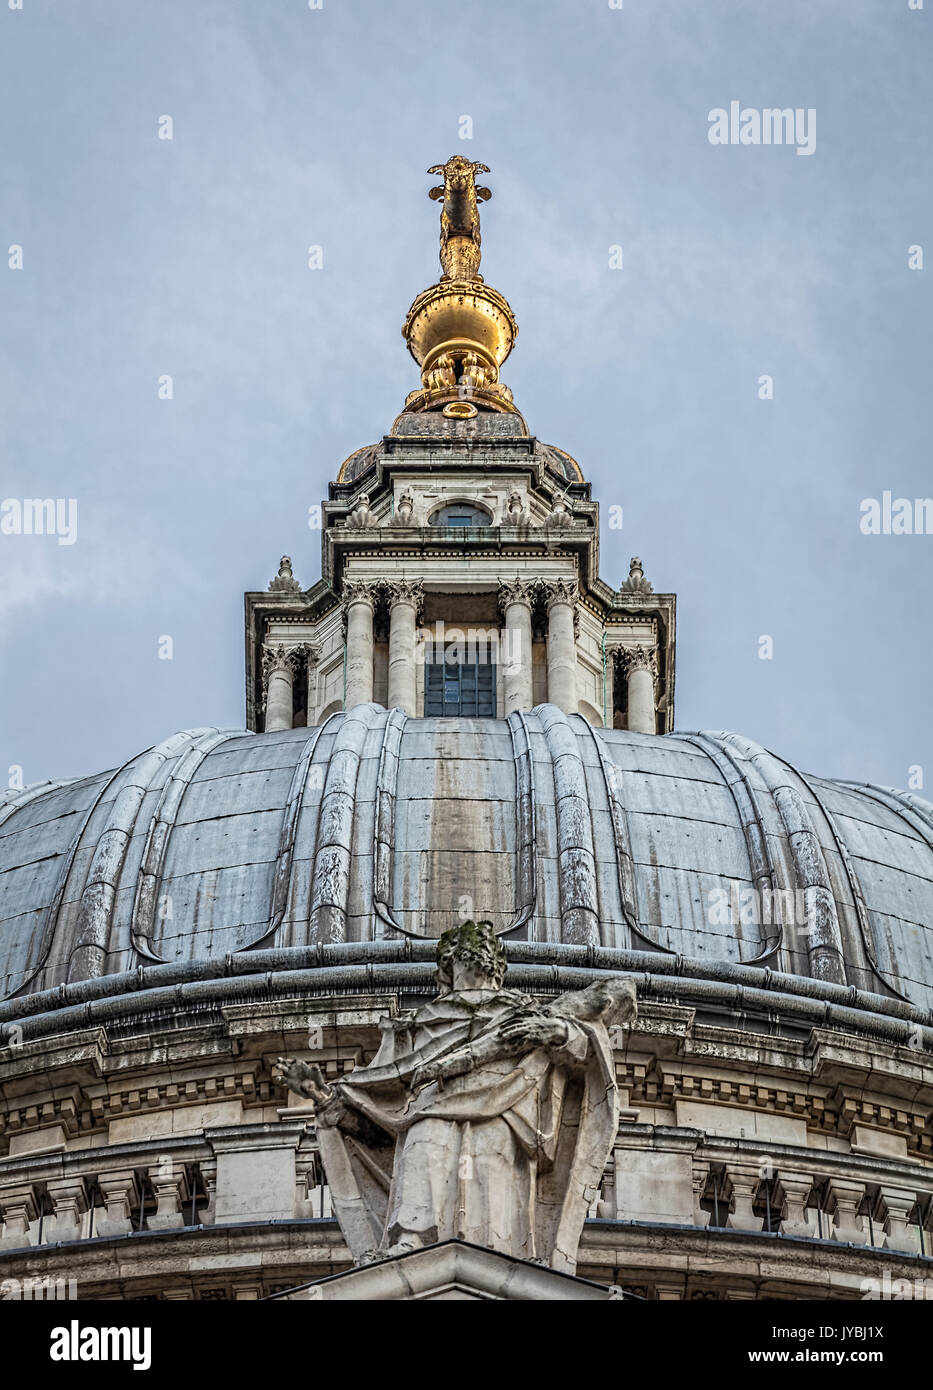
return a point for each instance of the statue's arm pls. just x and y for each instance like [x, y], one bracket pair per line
[333, 1107]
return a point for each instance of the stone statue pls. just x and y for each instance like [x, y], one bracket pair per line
[460, 237]
[485, 1116]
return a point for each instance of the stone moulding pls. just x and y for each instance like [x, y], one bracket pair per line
[408, 966]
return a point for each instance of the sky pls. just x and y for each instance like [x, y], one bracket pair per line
[144, 257]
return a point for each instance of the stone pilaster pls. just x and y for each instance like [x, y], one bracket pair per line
[561, 598]
[405, 599]
[359, 602]
[515, 599]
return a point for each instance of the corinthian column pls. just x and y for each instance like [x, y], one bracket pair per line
[561, 645]
[404, 603]
[516, 599]
[278, 678]
[359, 601]
[641, 667]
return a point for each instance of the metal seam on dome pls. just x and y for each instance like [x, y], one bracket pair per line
[623, 846]
[330, 882]
[576, 859]
[285, 854]
[855, 887]
[95, 912]
[756, 843]
[824, 937]
[157, 837]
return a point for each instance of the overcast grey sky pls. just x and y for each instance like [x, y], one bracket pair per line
[295, 126]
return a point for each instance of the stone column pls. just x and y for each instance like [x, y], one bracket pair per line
[359, 601]
[561, 645]
[516, 599]
[404, 604]
[641, 669]
[278, 675]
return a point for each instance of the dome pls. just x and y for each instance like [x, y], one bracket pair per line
[217, 842]
[484, 425]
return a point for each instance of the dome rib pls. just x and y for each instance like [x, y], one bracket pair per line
[756, 841]
[825, 950]
[157, 839]
[95, 913]
[576, 859]
[330, 890]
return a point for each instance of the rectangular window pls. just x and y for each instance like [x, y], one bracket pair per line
[460, 688]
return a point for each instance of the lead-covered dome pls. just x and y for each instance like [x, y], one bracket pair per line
[215, 842]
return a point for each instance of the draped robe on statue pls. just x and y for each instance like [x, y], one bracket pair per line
[508, 1156]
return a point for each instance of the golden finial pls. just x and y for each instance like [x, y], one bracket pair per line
[460, 331]
[460, 237]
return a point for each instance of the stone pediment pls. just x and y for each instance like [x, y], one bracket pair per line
[453, 1270]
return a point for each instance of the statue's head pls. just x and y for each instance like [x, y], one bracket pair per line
[473, 945]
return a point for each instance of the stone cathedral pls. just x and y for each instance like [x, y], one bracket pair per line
[458, 973]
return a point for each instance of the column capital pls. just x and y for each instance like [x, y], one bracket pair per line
[278, 657]
[559, 591]
[635, 658]
[410, 591]
[360, 591]
[517, 591]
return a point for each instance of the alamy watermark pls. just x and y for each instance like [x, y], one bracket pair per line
[888, 515]
[40, 516]
[746, 125]
[736, 904]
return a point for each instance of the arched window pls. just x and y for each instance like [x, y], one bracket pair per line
[461, 514]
